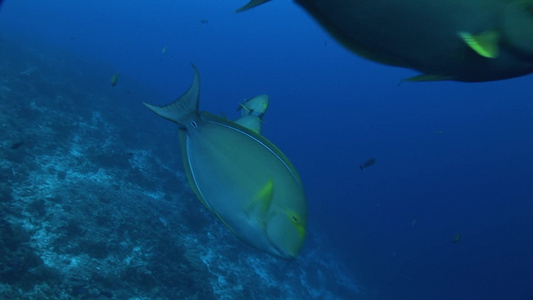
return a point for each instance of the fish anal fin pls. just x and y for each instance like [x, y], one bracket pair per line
[428, 77]
[485, 44]
[252, 4]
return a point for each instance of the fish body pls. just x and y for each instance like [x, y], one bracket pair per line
[367, 163]
[463, 40]
[240, 176]
[251, 122]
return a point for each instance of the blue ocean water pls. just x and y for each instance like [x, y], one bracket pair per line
[451, 158]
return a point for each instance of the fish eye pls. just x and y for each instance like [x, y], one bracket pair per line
[194, 124]
[295, 219]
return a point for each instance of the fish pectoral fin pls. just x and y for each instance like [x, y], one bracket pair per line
[252, 4]
[260, 204]
[485, 44]
[244, 107]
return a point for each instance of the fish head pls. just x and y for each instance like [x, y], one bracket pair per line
[518, 26]
[286, 231]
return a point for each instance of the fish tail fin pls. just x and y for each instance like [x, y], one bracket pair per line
[251, 4]
[361, 167]
[184, 106]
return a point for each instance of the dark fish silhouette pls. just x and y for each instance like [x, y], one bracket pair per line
[114, 79]
[457, 238]
[367, 164]
[463, 40]
[16, 145]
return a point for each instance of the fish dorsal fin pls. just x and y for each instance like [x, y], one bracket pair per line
[260, 204]
[485, 44]
[252, 4]
[181, 108]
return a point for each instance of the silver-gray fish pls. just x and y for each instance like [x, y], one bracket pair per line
[240, 176]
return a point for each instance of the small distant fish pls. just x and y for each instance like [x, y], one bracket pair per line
[252, 112]
[29, 71]
[413, 221]
[15, 146]
[114, 79]
[164, 50]
[457, 238]
[255, 106]
[204, 21]
[367, 164]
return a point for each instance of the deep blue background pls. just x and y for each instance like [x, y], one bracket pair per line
[455, 157]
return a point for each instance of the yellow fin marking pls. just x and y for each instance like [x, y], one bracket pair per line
[485, 43]
[262, 200]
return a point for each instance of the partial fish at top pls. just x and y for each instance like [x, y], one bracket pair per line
[240, 176]
[462, 40]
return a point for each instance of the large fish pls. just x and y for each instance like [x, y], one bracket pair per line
[463, 40]
[240, 176]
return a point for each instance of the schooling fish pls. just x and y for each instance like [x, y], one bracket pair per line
[367, 163]
[253, 111]
[240, 176]
[463, 40]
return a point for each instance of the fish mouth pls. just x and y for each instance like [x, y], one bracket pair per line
[281, 237]
[279, 252]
